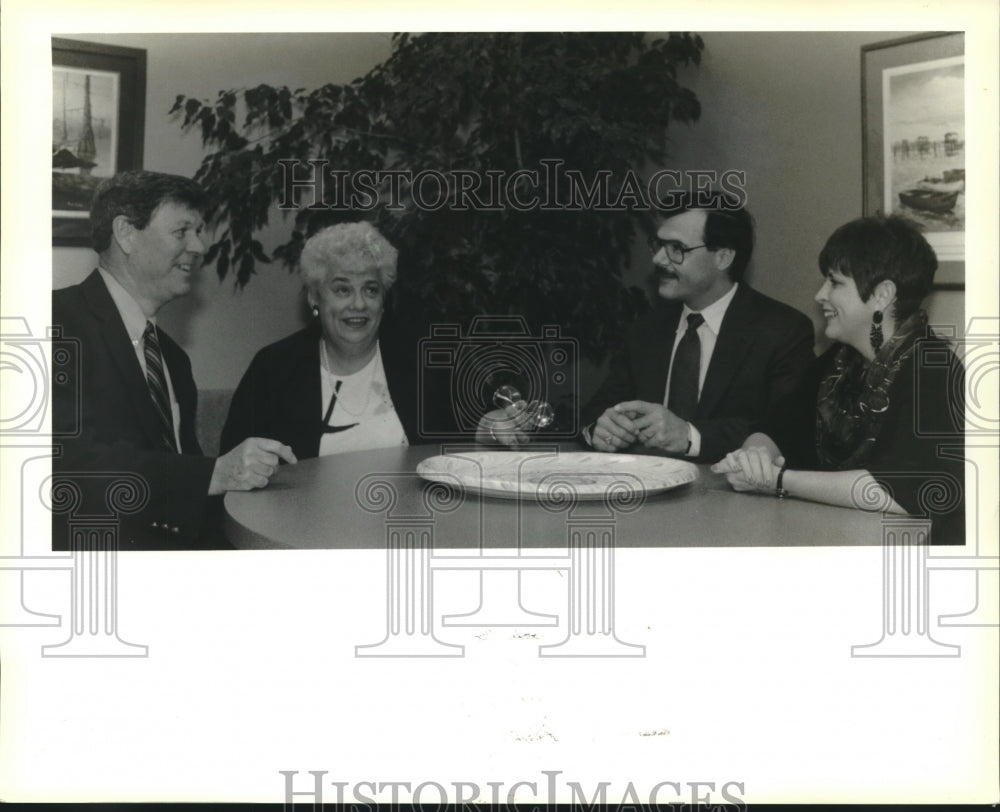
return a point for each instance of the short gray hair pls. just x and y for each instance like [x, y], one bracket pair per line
[347, 247]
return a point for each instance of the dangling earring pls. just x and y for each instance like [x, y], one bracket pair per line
[875, 334]
[315, 312]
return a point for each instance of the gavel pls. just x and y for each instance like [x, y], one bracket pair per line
[538, 413]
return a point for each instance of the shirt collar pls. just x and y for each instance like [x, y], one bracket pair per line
[132, 315]
[714, 313]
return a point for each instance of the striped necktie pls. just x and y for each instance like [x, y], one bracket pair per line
[157, 381]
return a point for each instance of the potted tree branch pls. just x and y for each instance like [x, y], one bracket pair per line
[502, 165]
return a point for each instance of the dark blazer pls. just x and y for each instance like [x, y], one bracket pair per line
[119, 431]
[910, 457]
[280, 393]
[763, 349]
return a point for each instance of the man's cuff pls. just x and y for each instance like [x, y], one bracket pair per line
[694, 437]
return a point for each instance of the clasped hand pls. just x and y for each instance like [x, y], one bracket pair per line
[751, 469]
[250, 465]
[510, 426]
[636, 421]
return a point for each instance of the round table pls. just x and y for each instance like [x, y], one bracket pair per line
[351, 501]
[375, 500]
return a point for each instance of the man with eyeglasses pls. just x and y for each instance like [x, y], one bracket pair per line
[713, 357]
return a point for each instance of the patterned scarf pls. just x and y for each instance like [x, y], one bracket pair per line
[854, 398]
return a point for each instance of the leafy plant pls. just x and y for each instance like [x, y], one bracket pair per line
[460, 107]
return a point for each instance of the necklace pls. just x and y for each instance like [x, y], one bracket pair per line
[367, 386]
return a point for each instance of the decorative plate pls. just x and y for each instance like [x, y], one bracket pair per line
[553, 476]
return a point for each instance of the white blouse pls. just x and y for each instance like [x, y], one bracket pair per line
[363, 414]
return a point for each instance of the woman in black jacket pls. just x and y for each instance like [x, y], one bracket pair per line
[878, 424]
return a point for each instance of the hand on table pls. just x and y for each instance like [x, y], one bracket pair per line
[250, 465]
[656, 426]
[751, 469]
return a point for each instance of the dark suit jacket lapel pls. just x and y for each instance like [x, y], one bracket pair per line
[735, 340]
[303, 393]
[122, 353]
[286, 394]
[653, 363]
[399, 361]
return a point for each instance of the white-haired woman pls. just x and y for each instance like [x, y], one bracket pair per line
[334, 386]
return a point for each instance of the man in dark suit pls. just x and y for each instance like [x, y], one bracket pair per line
[136, 396]
[713, 357]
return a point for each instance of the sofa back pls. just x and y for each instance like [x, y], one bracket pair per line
[213, 406]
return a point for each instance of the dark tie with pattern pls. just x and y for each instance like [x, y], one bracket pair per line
[683, 398]
[157, 381]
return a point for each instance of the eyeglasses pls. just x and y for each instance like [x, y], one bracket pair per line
[676, 252]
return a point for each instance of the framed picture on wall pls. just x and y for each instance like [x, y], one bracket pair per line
[913, 131]
[98, 117]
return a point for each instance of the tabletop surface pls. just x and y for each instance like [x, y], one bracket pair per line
[351, 501]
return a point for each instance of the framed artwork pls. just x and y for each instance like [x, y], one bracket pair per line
[913, 131]
[98, 117]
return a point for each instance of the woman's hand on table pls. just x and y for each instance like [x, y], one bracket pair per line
[754, 468]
